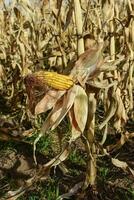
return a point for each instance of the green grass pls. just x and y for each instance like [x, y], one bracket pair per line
[103, 172]
[76, 158]
[44, 191]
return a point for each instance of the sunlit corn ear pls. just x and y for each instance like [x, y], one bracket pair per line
[54, 80]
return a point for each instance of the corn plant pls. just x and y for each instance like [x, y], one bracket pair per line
[80, 54]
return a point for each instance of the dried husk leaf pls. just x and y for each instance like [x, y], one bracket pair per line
[67, 104]
[60, 110]
[75, 130]
[48, 101]
[81, 108]
[88, 65]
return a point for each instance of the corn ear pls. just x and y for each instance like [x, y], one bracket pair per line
[54, 80]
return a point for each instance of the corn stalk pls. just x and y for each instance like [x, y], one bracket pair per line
[91, 147]
[79, 26]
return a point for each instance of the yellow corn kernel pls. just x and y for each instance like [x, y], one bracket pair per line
[54, 80]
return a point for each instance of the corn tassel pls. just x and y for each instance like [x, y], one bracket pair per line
[54, 80]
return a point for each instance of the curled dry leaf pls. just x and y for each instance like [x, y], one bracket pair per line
[123, 139]
[67, 104]
[53, 116]
[27, 133]
[59, 158]
[110, 112]
[60, 109]
[110, 65]
[72, 191]
[99, 85]
[75, 130]
[107, 11]
[14, 195]
[48, 101]
[120, 164]
[120, 115]
[81, 108]
[123, 165]
[88, 65]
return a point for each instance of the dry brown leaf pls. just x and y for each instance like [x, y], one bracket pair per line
[60, 109]
[72, 191]
[48, 101]
[67, 104]
[102, 84]
[13, 195]
[88, 65]
[110, 112]
[81, 108]
[124, 138]
[59, 158]
[120, 114]
[69, 15]
[107, 11]
[53, 116]
[120, 164]
[123, 165]
[27, 133]
[75, 131]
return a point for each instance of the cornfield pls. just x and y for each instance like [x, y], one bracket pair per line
[74, 61]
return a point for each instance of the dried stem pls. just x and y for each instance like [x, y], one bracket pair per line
[79, 25]
[91, 148]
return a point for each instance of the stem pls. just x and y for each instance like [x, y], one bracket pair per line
[79, 25]
[91, 148]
